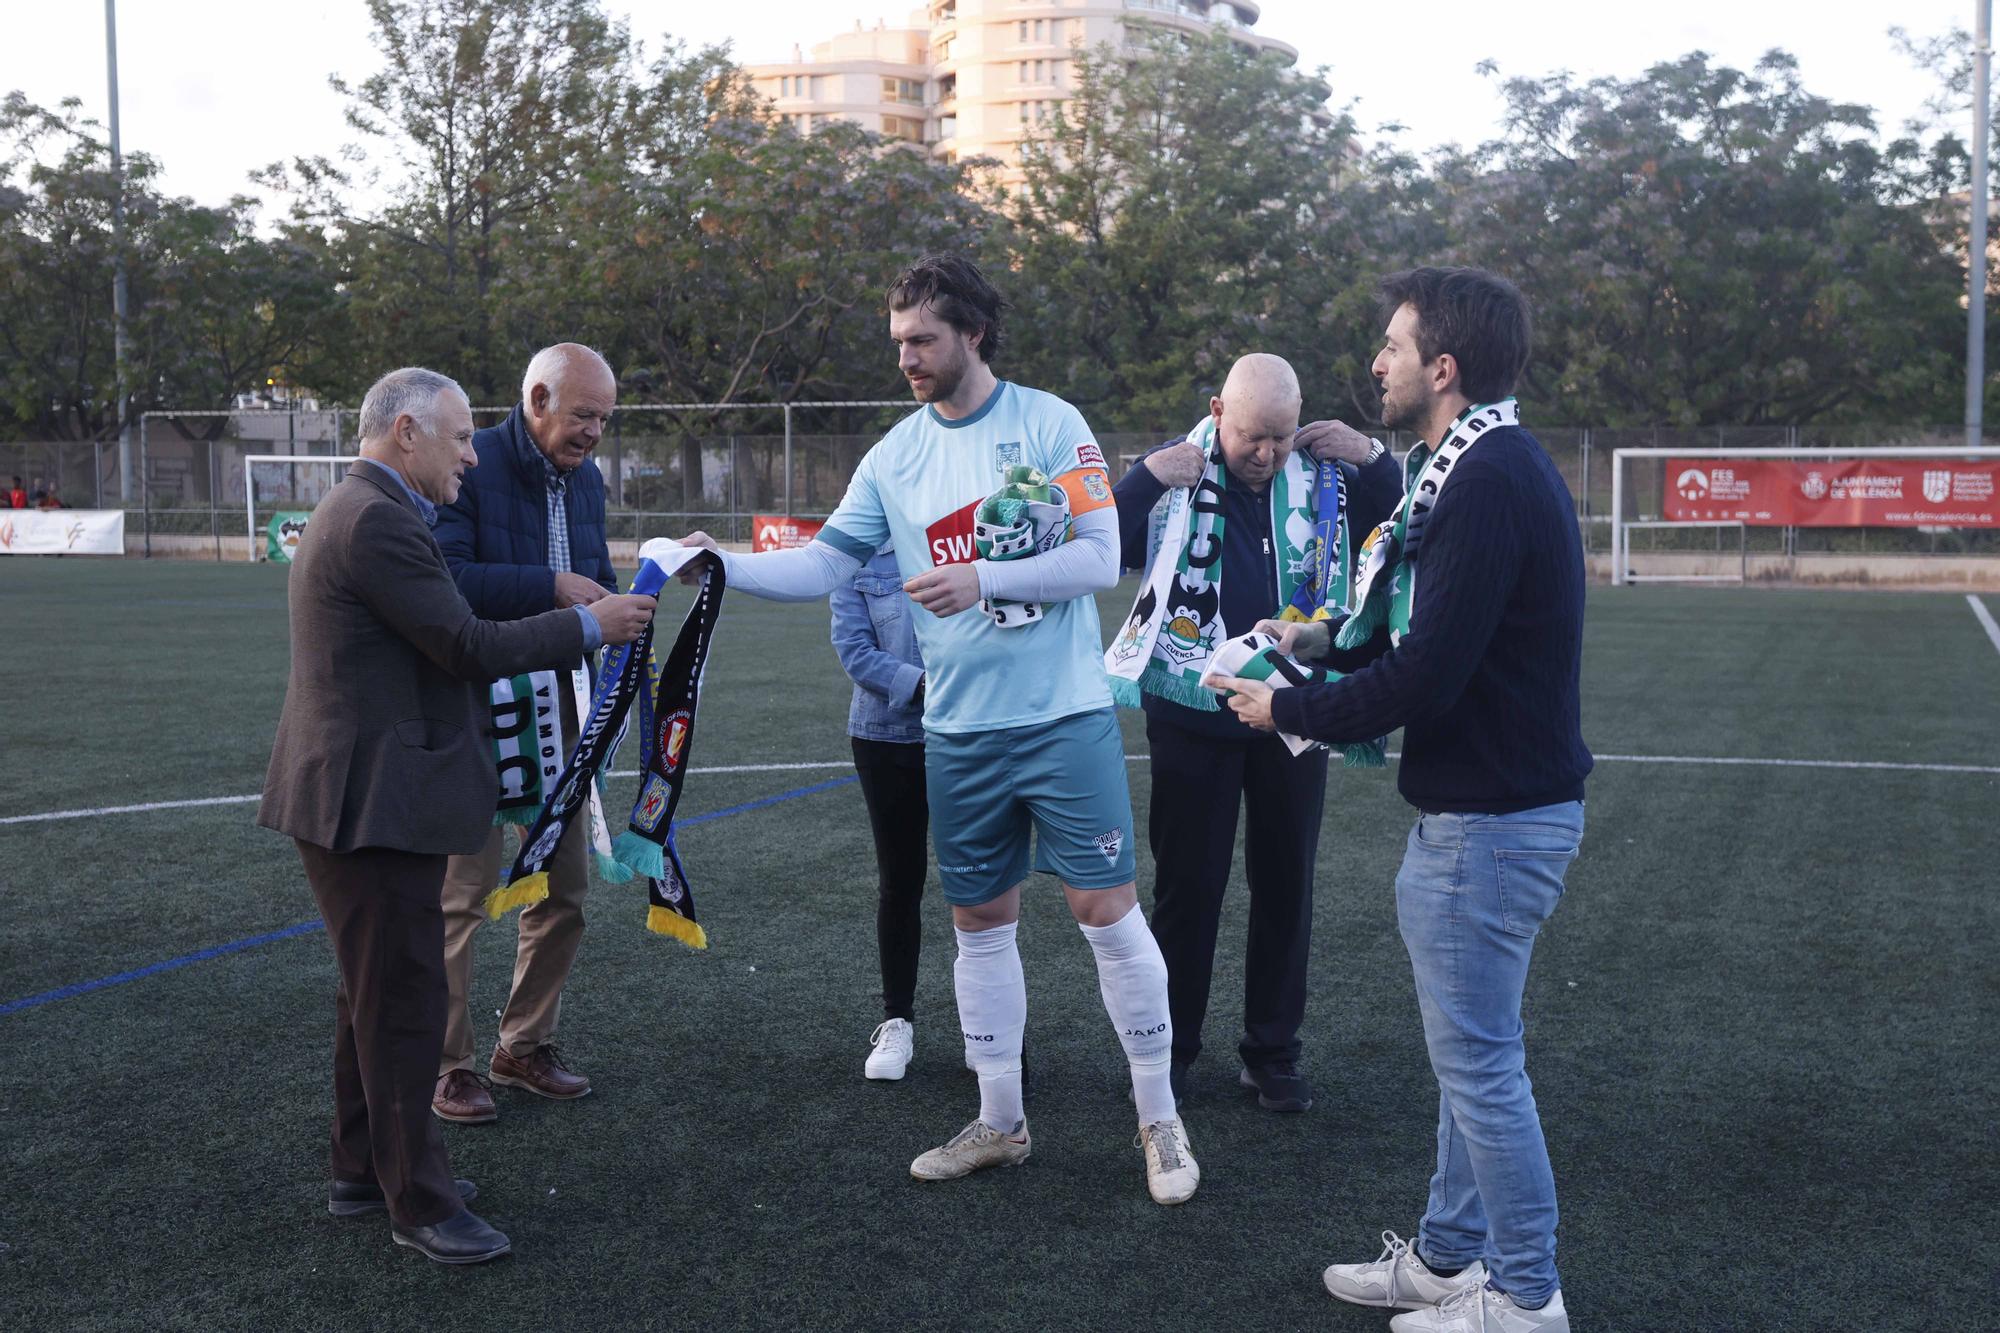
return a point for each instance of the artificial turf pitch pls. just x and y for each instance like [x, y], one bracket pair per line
[1760, 1025]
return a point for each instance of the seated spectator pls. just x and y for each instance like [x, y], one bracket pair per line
[48, 500]
[17, 497]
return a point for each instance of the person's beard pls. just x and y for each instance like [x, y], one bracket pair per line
[1400, 415]
[944, 381]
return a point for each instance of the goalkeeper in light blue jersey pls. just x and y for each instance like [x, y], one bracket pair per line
[998, 503]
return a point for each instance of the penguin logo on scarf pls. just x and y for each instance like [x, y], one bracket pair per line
[1195, 606]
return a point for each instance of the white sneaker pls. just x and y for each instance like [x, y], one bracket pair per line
[895, 1041]
[976, 1146]
[1398, 1280]
[1171, 1171]
[1481, 1309]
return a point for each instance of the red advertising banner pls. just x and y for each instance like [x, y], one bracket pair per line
[775, 532]
[1841, 493]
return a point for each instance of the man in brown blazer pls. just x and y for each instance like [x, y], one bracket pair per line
[382, 769]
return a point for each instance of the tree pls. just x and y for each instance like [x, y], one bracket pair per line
[1707, 246]
[1169, 222]
[483, 112]
[216, 309]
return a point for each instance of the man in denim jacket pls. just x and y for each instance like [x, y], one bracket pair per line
[877, 645]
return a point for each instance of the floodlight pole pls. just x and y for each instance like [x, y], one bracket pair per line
[1975, 258]
[120, 294]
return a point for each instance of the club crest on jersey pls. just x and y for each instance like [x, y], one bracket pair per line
[652, 804]
[1111, 844]
[1006, 454]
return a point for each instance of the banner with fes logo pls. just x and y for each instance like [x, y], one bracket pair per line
[1840, 493]
[62, 532]
[775, 532]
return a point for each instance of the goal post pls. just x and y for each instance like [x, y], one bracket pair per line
[1783, 492]
[305, 496]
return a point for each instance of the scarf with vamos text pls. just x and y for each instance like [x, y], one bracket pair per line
[666, 741]
[527, 744]
[1176, 622]
[1385, 590]
[623, 677]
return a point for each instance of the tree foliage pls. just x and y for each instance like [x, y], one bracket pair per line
[1702, 245]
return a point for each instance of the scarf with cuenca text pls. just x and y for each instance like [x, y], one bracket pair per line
[1175, 623]
[666, 738]
[623, 678]
[1385, 589]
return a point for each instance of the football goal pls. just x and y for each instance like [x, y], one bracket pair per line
[289, 496]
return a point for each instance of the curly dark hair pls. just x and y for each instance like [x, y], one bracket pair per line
[953, 286]
[1478, 317]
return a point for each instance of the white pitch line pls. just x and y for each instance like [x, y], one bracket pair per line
[1985, 620]
[1720, 760]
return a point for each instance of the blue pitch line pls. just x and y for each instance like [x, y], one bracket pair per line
[306, 927]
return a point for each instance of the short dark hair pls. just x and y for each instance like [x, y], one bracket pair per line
[953, 286]
[1478, 317]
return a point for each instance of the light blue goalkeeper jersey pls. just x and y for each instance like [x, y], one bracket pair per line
[918, 487]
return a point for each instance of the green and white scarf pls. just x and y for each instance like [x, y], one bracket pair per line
[527, 751]
[1176, 622]
[527, 744]
[1385, 590]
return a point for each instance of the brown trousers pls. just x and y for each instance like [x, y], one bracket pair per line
[550, 932]
[382, 914]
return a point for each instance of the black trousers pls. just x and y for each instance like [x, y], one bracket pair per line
[1198, 784]
[384, 914]
[892, 782]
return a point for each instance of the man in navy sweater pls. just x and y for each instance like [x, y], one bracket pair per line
[1484, 683]
[1205, 765]
[526, 535]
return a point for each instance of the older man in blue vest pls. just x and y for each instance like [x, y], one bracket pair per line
[526, 535]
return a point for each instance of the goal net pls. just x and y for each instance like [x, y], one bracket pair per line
[279, 492]
[1873, 515]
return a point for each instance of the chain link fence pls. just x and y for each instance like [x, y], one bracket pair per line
[673, 467]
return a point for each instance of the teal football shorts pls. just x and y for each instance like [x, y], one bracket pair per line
[1064, 779]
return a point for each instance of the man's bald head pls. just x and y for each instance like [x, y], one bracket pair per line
[1257, 414]
[567, 395]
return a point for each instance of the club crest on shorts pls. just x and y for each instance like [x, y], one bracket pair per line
[1111, 844]
[673, 737]
[652, 804]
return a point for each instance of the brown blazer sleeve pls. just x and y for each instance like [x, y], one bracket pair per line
[411, 590]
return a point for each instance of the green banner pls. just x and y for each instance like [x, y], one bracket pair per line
[285, 529]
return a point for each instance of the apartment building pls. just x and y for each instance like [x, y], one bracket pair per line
[971, 78]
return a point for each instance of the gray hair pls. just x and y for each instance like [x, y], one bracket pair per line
[411, 391]
[552, 365]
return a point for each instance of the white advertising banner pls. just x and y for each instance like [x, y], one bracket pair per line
[62, 532]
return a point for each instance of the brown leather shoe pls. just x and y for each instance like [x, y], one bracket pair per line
[542, 1072]
[462, 1098]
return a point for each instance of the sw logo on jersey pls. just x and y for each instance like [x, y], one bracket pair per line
[951, 538]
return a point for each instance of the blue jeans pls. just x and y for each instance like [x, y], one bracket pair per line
[1470, 898]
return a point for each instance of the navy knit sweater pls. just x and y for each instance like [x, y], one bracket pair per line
[1484, 684]
[1249, 570]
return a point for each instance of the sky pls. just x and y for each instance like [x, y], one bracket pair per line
[247, 85]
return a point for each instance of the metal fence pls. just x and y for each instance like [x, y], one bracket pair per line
[672, 467]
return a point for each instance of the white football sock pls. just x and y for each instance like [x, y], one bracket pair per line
[992, 1012]
[1132, 978]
